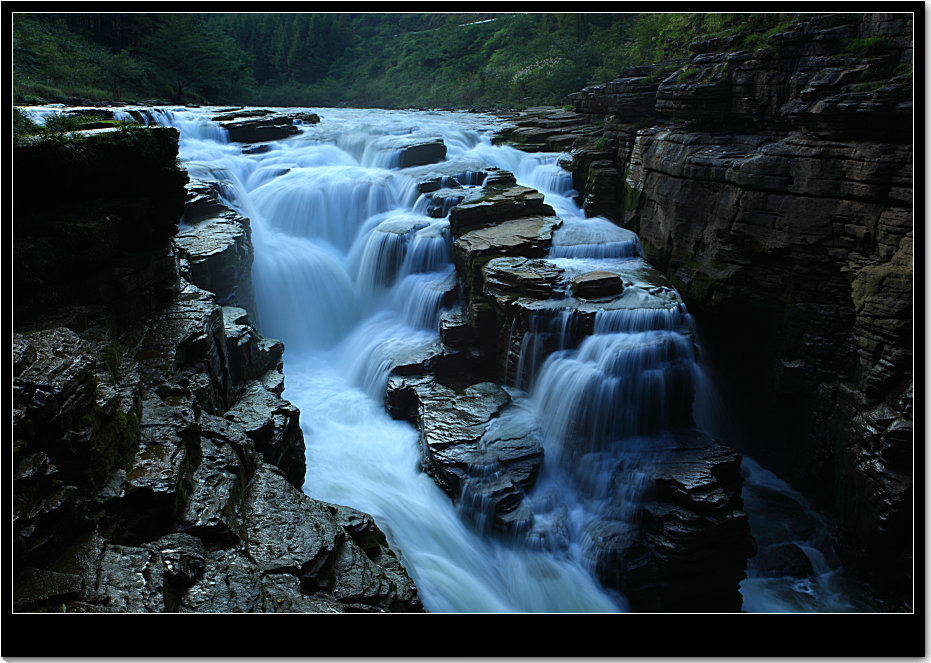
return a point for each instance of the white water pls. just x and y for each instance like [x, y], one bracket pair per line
[349, 271]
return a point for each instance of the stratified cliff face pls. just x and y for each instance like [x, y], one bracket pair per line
[774, 189]
[156, 466]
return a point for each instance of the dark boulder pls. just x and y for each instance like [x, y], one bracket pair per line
[422, 154]
[597, 285]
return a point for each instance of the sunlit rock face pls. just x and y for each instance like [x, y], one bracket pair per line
[774, 188]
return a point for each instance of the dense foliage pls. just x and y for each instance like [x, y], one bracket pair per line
[177, 57]
[373, 59]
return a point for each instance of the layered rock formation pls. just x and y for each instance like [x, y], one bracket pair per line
[261, 125]
[687, 547]
[156, 466]
[774, 188]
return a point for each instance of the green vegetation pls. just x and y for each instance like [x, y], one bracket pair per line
[111, 356]
[59, 128]
[373, 59]
[132, 57]
[602, 142]
[868, 46]
[688, 74]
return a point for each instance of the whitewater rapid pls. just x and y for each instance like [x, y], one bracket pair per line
[350, 270]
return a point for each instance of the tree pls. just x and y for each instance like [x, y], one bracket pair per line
[200, 59]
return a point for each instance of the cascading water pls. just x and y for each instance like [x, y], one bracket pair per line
[351, 271]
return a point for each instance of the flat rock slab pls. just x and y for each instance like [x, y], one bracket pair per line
[529, 237]
[522, 277]
[259, 125]
[422, 154]
[498, 200]
[597, 284]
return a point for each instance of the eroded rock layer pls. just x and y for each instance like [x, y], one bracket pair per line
[673, 538]
[156, 466]
[774, 188]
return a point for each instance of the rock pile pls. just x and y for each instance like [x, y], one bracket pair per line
[156, 466]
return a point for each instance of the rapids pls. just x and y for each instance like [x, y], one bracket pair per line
[350, 271]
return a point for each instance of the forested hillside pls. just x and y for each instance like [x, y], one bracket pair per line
[373, 59]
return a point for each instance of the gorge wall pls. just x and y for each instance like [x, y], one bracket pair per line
[156, 466]
[774, 188]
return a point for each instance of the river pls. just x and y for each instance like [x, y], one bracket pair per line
[350, 271]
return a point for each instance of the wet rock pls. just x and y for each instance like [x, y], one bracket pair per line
[203, 201]
[500, 199]
[261, 129]
[262, 148]
[455, 331]
[690, 549]
[521, 277]
[779, 560]
[154, 487]
[528, 237]
[72, 428]
[287, 532]
[422, 154]
[542, 129]
[214, 506]
[219, 254]
[477, 450]
[442, 201]
[143, 411]
[334, 551]
[251, 355]
[273, 425]
[55, 384]
[241, 113]
[387, 580]
[790, 207]
[597, 285]
[231, 583]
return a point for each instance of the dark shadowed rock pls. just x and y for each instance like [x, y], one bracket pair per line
[422, 154]
[334, 551]
[478, 450]
[219, 254]
[783, 196]
[596, 285]
[144, 411]
[260, 130]
[273, 425]
[690, 549]
[781, 559]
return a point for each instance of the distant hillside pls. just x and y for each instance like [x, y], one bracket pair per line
[384, 60]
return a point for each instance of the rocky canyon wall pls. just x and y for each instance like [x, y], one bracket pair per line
[156, 466]
[774, 188]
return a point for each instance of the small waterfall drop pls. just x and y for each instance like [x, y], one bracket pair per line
[352, 270]
[351, 274]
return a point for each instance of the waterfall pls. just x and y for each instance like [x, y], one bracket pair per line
[351, 274]
[353, 269]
